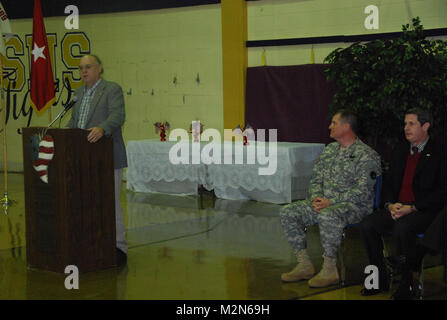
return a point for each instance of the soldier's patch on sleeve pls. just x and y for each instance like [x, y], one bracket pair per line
[373, 175]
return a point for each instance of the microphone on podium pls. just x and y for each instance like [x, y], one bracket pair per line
[67, 107]
[70, 105]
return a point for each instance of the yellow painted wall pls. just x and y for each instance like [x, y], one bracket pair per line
[278, 19]
[143, 51]
[234, 61]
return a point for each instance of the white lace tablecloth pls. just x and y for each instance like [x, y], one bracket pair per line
[151, 171]
[294, 166]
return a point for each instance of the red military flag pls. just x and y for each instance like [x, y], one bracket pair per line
[42, 86]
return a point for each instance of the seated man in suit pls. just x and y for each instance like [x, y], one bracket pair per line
[100, 109]
[414, 191]
[341, 192]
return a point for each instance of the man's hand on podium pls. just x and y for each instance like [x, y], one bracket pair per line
[95, 134]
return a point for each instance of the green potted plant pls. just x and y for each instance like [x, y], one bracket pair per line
[381, 79]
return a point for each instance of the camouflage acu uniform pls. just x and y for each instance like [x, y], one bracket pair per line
[344, 176]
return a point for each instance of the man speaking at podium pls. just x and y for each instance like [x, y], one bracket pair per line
[100, 109]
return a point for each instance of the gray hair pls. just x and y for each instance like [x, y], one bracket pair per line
[98, 61]
[350, 117]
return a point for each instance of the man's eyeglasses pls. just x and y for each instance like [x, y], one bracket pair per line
[88, 66]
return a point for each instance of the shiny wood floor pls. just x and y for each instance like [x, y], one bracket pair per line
[185, 248]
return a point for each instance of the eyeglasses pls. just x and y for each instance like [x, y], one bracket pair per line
[88, 66]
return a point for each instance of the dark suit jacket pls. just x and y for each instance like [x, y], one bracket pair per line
[430, 178]
[435, 237]
[107, 112]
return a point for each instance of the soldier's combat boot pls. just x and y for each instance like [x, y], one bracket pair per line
[327, 276]
[304, 270]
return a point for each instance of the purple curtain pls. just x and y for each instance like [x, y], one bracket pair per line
[292, 99]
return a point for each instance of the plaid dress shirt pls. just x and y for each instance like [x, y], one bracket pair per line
[85, 104]
[420, 146]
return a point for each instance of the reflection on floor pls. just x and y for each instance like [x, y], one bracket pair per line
[186, 248]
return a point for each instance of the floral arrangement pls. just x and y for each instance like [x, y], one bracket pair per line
[248, 133]
[162, 127]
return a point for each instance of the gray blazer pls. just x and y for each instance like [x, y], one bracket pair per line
[107, 112]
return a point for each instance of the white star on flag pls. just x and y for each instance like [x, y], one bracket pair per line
[38, 52]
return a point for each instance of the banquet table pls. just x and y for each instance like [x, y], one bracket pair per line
[287, 169]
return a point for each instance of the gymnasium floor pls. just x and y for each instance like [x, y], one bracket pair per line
[188, 248]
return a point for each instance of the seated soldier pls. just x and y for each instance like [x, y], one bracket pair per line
[341, 192]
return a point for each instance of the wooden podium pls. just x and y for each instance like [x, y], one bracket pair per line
[71, 219]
